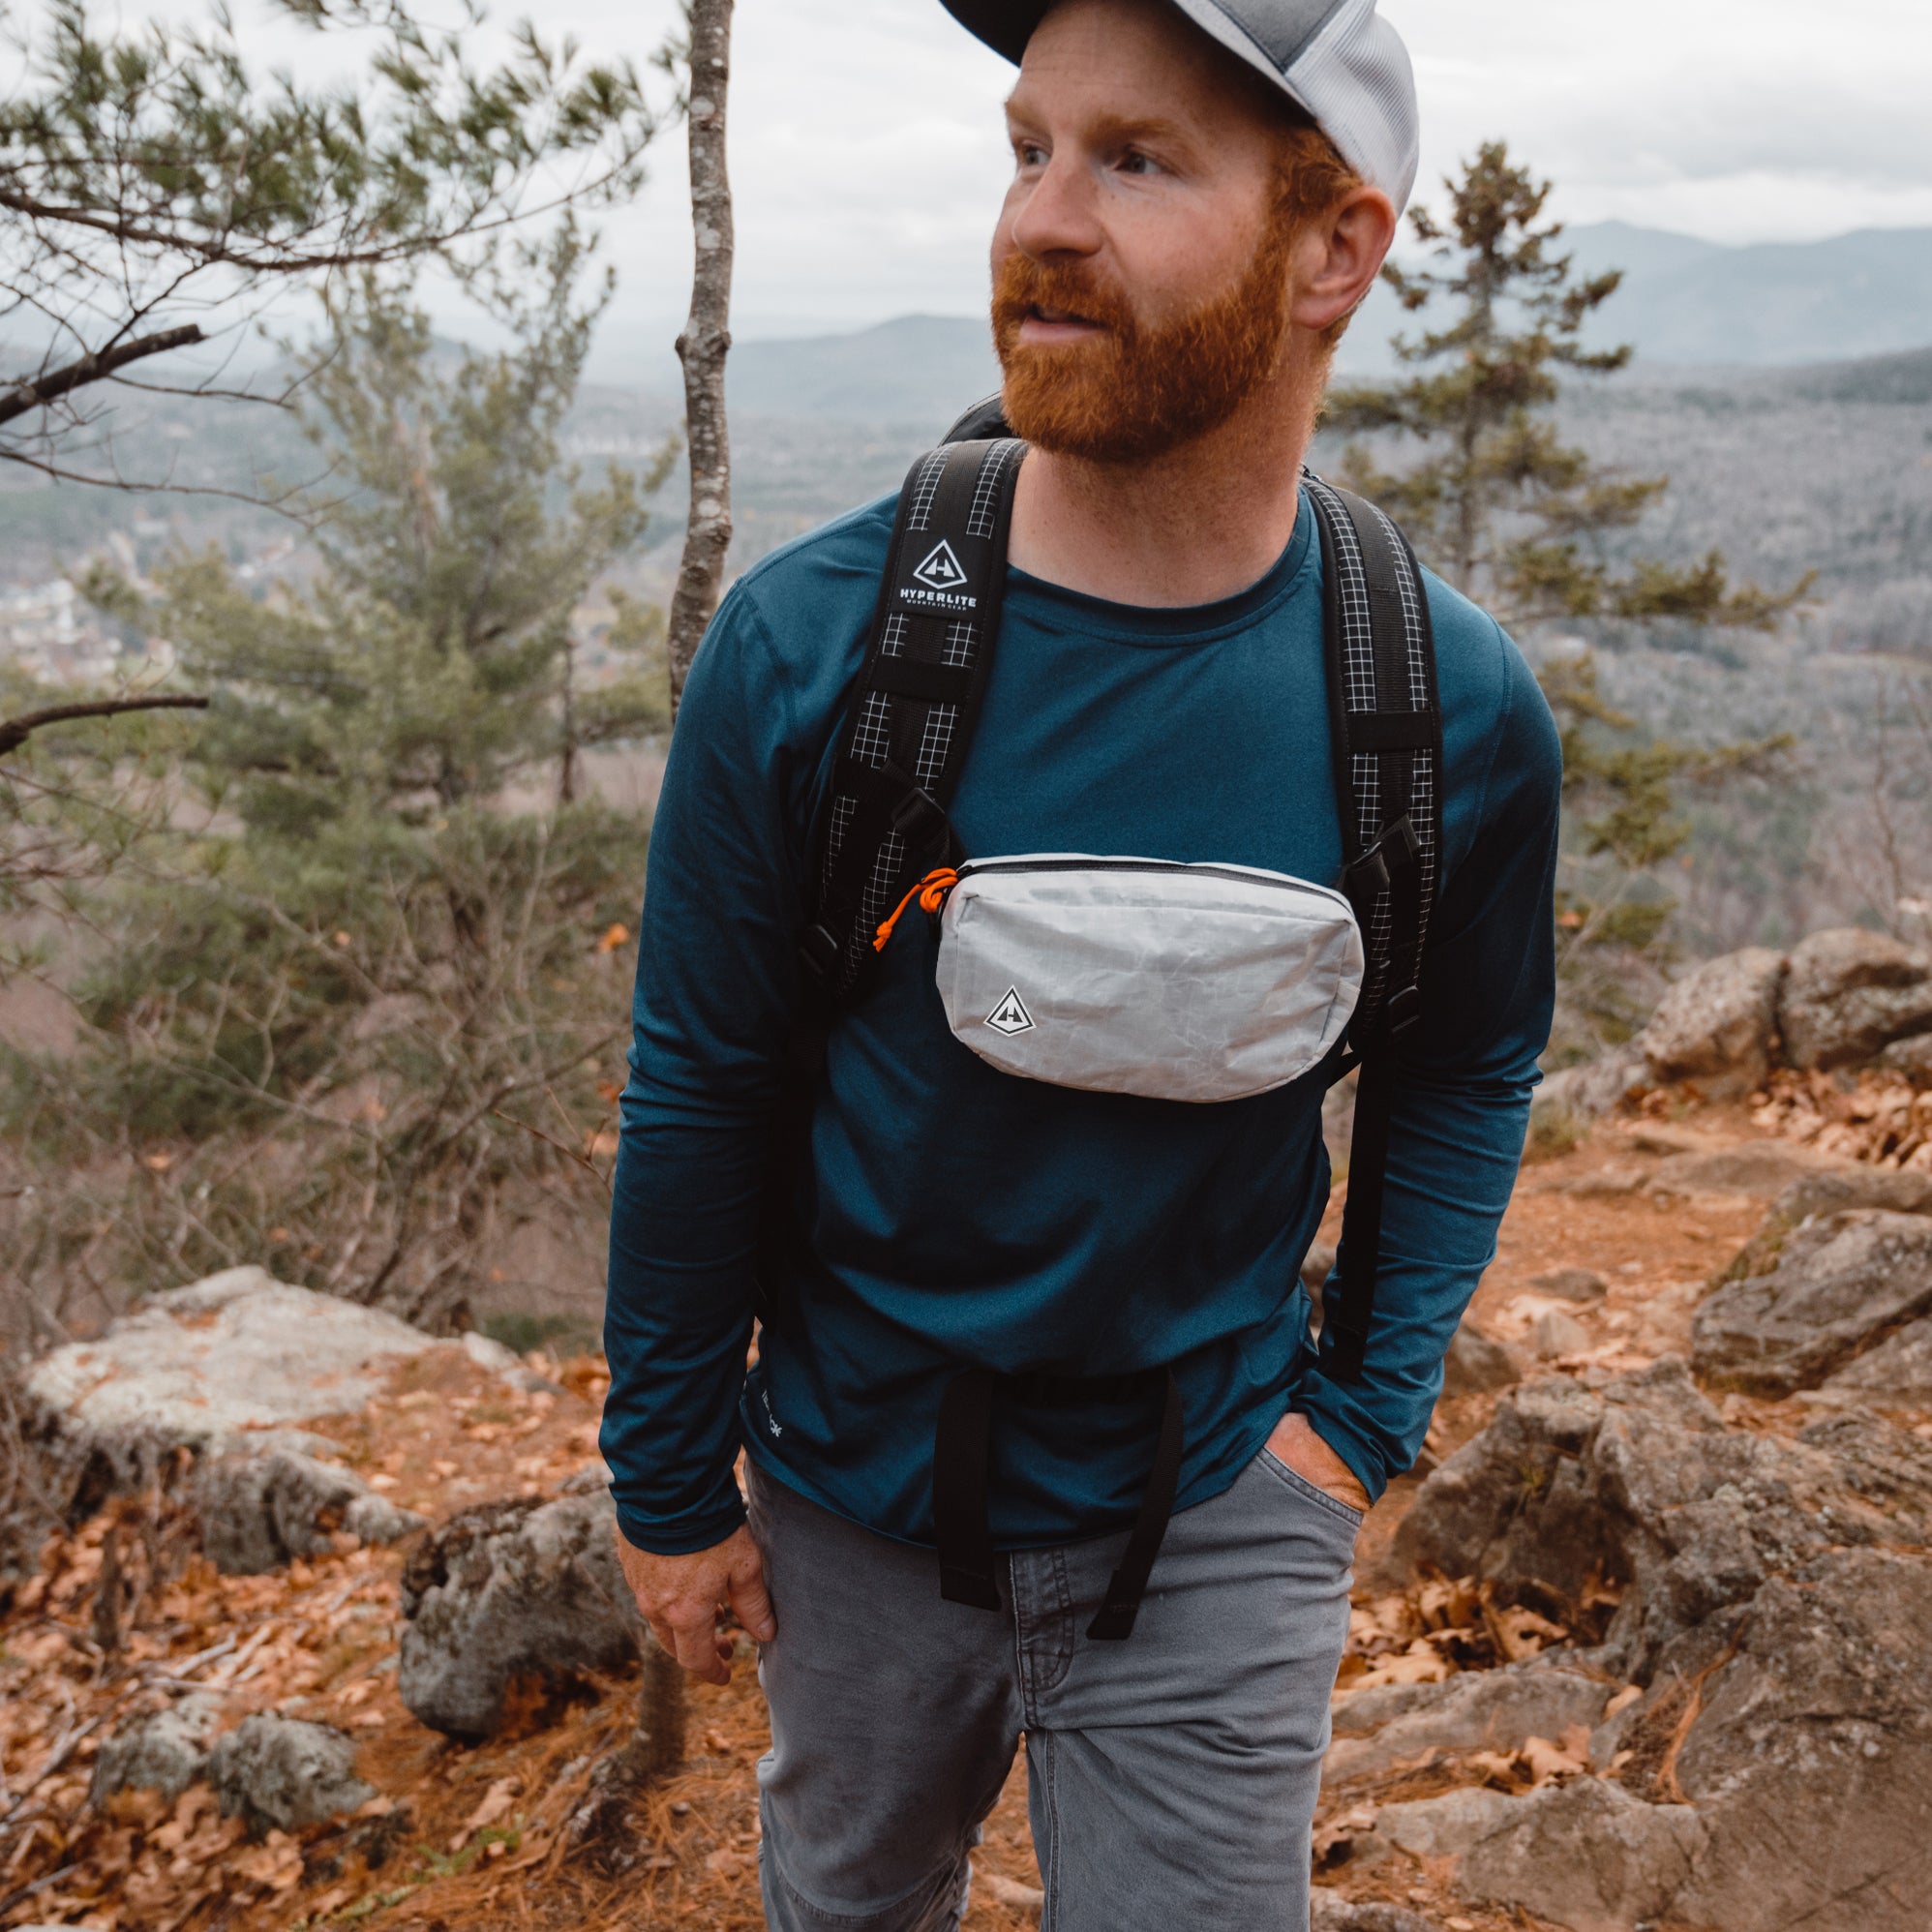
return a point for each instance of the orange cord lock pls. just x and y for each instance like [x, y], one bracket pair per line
[930, 892]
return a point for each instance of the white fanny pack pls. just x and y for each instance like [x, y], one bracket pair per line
[1142, 976]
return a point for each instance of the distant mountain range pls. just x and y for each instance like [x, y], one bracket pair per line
[1683, 301]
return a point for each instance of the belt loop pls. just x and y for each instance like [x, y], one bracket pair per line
[1115, 1620]
[961, 1460]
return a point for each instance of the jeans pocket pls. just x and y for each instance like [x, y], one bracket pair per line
[1299, 1486]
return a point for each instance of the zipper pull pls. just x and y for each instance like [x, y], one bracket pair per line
[930, 892]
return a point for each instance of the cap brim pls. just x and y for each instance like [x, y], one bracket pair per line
[1005, 25]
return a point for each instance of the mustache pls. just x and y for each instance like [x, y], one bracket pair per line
[1024, 285]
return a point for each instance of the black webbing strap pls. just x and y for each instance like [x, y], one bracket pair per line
[1386, 723]
[914, 705]
[961, 1470]
[883, 822]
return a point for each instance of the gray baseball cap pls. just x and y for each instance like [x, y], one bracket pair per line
[1337, 59]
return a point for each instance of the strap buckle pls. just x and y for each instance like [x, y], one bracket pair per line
[921, 820]
[819, 953]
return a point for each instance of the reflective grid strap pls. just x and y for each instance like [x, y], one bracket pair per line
[1382, 666]
[1388, 755]
[938, 614]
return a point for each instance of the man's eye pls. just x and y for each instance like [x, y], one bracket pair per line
[1030, 154]
[1135, 163]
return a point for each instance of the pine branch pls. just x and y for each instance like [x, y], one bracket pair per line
[15, 732]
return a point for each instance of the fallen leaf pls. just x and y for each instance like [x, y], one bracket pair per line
[495, 1803]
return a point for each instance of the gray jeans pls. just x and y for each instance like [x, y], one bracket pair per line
[1173, 1778]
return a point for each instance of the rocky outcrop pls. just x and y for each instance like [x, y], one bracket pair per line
[1640, 1485]
[1718, 1024]
[164, 1751]
[1478, 1710]
[258, 1512]
[1809, 1702]
[281, 1773]
[1849, 994]
[1898, 1370]
[1329, 1913]
[520, 1593]
[1587, 1854]
[206, 1365]
[1477, 1365]
[1839, 1284]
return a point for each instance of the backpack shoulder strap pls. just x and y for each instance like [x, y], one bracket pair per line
[1387, 731]
[912, 708]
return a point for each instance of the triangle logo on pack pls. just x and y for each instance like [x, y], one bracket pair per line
[1010, 1015]
[941, 570]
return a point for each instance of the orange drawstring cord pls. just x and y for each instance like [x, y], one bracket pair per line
[930, 892]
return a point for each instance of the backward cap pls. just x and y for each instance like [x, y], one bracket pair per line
[1337, 59]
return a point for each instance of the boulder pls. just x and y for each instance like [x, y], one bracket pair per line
[1829, 1191]
[1329, 1913]
[258, 1512]
[1571, 1284]
[1809, 1759]
[1840, 1282]
[1477, 1365]
[283, 1772]
[1910, 1057]
[1476, 1710]
[164, 1751]
[1762, 1169]
[1718, 1024]
[225, 1364]
[521, 1592]
[1849, 994]
[1640, 1484]
[1899, 1370]
[1586, 1855]
[1555, 1333]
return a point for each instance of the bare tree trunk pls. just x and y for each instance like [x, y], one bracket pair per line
[706, 339]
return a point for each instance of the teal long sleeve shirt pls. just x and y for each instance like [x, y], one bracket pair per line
[964, 1217]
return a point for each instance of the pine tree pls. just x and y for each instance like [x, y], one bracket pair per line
[362, 1023]
[1526, 525]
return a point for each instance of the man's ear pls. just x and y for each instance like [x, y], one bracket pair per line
[1338, 258]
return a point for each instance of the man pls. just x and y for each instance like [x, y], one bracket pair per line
[1177, 254]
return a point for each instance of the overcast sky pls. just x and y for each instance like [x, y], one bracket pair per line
[868, 159]
[867, 154]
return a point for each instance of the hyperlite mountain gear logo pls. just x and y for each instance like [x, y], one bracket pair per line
[1010, 1015]
[941, 579]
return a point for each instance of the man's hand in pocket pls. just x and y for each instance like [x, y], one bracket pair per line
[1295, 1443]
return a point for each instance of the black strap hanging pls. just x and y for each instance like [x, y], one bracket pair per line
[1386, 723]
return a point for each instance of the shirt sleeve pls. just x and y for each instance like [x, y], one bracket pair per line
[1464, 1075]
[716, 990]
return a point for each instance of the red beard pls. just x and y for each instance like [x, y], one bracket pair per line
[1135, 391]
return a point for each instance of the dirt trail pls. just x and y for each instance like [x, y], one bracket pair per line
[477, 1837]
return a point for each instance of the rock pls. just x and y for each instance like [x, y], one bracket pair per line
[1840, 1282]
[517, 1592]
[1639, 1483]
[1849, 993]
[1571, 1284]
[1477, 1710]
[1820, 1711]
[1571, 1099]
[1586, 1855]
[1762, 1169]
[220, 1365]
[1910, 1058]
[283, 1772]
[1556, 1334]
[1898, 1370]
[258, 1512]
[1827, 1192]
[1476, 1364]
[1330, 1914]
[166, 1751]
[1718, 1024]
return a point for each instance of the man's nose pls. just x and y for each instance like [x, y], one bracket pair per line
[1059, 211]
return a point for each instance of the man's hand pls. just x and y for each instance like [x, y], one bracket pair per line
[1295, 1443]
[680, 1597]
